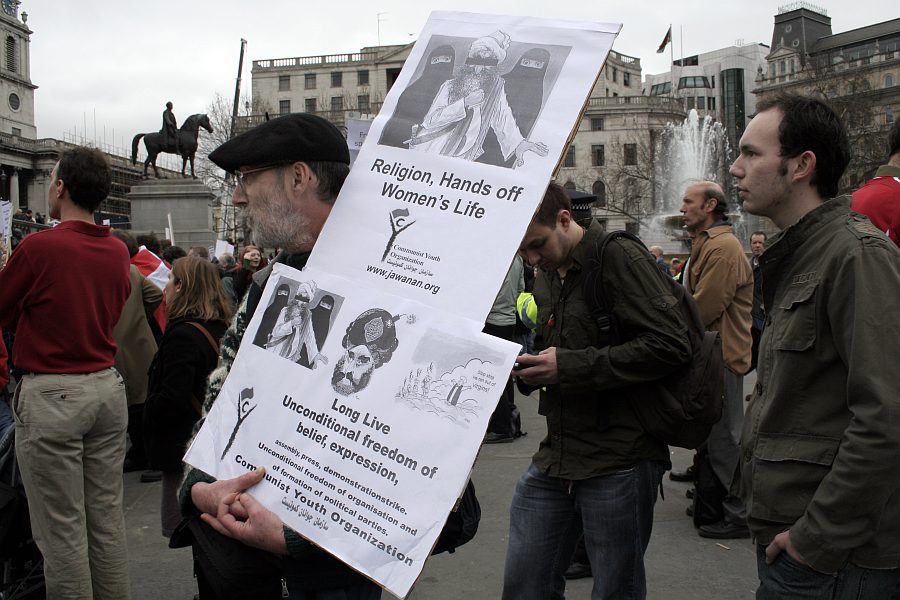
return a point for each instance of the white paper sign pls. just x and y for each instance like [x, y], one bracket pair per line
[6, 213]
[223, 247]
[460, 155]
[357, 130]
[367, 411]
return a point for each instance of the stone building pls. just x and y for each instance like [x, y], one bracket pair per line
[718, 83]
[857, 72]
[328, 85]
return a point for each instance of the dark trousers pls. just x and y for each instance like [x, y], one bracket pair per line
[786, 579]
[137, 453]
[502, 420]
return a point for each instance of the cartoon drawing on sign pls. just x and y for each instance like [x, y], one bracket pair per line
[453, 380]
[399, 223]
[244, 408]
[415, 99]
[525, 93]
[296, 326]
[369, 343]
[475, 103]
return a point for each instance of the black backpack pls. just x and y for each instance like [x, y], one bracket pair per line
[462, 523]
[678, 409]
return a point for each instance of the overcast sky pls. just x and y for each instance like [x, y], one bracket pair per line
[115, 64]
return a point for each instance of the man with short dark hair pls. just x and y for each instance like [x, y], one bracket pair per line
[879, 198]
[597, 470]
[820, 467]
[720, 279]
[757, 313]
[63, 291]
[288, 171]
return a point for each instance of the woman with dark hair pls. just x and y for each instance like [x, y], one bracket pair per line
[414, 102]
[198, 313]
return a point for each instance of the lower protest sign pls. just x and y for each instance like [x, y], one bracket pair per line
[367, 411]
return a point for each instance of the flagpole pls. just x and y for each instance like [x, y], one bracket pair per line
[672, 56]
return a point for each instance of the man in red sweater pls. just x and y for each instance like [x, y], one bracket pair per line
[62, 291]
[879, 199]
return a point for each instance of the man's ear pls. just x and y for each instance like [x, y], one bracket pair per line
[303, 177]
[564, 218]
[804, 166]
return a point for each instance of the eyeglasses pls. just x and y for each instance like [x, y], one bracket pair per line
[241, 176]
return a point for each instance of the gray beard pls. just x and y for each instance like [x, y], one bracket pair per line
[275, 223]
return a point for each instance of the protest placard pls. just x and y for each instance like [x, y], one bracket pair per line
[223, 247]
[367, 411]
[449, 178]
[363, 384]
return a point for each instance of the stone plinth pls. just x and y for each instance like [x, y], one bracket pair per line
[187, 200]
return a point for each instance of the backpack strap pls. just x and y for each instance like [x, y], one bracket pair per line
[594, 288]
[195, 402]
[209, 338]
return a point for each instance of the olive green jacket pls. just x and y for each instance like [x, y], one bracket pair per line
[591, 428]
[821, 439]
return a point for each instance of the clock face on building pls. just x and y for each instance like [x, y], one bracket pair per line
[9, 7]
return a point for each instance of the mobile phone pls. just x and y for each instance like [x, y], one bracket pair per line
[247, 263]
[517, 366]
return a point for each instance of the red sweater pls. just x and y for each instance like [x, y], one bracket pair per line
[62, 291]
[4, 366]
[879, 200]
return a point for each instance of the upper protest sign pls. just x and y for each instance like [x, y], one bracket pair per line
[460, 155]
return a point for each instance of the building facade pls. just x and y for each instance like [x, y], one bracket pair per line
[328, 85]
[857, 72]
[718, 84]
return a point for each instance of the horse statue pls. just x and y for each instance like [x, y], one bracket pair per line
[155, 143]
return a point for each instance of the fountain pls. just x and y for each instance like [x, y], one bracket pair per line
[696, 149]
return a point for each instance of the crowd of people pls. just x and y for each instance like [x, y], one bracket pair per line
[119, 337]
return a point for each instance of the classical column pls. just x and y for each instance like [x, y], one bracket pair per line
[14, 188]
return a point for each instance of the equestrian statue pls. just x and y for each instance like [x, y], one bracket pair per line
[172, 141]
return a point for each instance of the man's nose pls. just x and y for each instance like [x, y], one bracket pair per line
[238, 198]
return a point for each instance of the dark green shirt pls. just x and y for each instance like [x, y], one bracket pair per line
[591, 427]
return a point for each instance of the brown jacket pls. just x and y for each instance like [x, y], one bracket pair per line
[721, 281]
[134, 338]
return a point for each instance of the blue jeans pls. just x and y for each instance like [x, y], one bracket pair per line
[786, 579]
[547, 514]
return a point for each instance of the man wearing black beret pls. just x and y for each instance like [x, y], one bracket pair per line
[288, 172]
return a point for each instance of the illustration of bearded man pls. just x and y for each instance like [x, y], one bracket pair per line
[370, 342]
[471, 104]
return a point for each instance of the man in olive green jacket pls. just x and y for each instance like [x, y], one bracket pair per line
[597, 470]
[820, 468]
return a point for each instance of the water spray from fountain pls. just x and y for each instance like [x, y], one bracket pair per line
[694, 150]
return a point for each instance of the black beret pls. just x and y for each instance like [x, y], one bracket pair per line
[289, 138]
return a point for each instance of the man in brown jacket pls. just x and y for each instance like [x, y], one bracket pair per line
[720, 279]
